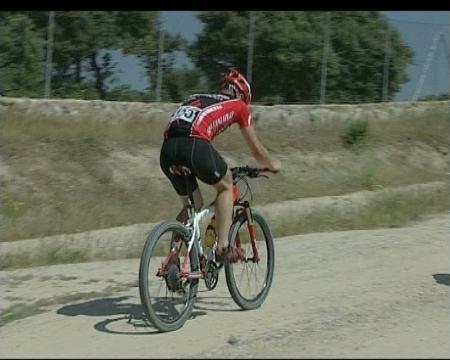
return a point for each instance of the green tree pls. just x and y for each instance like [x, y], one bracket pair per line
[21, 57]
[288, 53]
[358, 54]
[83, 40]
[79, 38]
[180, 83]
[139, 36]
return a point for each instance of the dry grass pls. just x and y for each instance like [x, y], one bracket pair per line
[390, 209]
[61, 176]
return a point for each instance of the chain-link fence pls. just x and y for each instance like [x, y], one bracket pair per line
[126, 76]
[429, 73]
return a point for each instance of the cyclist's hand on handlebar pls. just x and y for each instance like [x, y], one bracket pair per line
[273, 165]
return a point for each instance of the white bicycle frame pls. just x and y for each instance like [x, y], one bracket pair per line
[193, 223]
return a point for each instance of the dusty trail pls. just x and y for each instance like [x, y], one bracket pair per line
[366, 293]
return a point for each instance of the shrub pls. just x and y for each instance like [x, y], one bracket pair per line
[355, 133]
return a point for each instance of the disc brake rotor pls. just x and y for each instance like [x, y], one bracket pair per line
[173, 279]
[212, 275]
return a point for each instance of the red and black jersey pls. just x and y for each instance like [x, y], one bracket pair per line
[206, 115]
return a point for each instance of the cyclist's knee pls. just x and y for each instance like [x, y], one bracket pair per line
[198, 199]
[226, 183]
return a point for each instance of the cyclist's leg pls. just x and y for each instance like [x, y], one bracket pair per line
[209, 166]
[170, 155]
[183, 214]
[198, 201]
[224, 208]
[224, 215]
[167, 159]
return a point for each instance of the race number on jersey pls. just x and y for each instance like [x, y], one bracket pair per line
[185, 113]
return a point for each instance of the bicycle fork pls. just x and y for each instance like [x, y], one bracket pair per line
[251, 232]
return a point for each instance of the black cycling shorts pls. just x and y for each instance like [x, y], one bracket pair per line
[198, 155]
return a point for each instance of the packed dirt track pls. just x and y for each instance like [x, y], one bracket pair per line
[380, 293]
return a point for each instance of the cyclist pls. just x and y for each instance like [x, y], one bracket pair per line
[188, 145]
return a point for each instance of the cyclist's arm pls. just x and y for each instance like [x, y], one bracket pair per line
[258, 150]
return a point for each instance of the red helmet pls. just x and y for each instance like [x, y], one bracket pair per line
[235, 80]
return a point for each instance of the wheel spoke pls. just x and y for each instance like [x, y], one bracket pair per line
[249, 281]
[166, 298]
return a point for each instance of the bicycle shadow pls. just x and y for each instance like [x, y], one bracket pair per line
[443, 279]
[132, 322]
[102, 307]
[128, 318]
[215, 303]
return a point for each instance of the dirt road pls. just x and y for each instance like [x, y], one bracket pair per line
[371, 293]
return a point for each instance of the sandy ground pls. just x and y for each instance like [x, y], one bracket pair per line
[352, 294]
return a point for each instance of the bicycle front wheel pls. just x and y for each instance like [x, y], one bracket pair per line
[249, 280]
[166, 295]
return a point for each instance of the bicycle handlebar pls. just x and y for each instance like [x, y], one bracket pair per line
[249, 171]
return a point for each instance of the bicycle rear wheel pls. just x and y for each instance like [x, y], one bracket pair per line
[166, 296]
[249, 281]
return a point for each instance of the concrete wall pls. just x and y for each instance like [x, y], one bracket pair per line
[73, 110]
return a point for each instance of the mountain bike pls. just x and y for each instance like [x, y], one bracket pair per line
[174, 259]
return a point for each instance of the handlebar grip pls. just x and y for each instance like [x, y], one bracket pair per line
[268, 170]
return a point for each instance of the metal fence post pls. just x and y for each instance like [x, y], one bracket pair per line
[251, 44]
[426, 66]
[387, 59]
[160, 60]
[49, 60]
[326, 47]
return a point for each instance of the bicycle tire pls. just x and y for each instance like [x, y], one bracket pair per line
[145, 293]
[238, 297]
